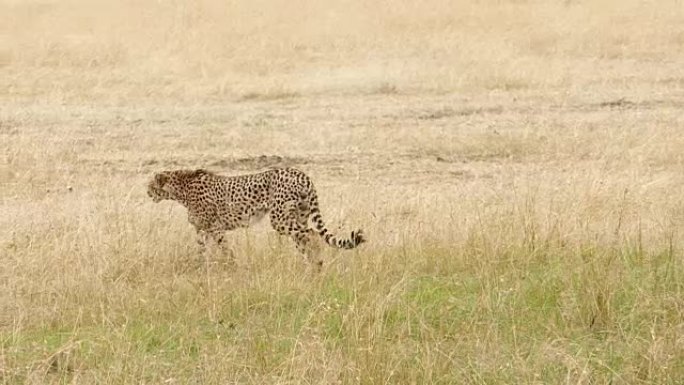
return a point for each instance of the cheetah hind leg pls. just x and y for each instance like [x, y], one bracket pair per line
[289, 221]
[306, 245]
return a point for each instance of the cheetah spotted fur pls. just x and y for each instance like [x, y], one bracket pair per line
[219, 203]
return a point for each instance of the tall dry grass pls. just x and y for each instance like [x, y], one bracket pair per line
[206, 50]
[517, 166]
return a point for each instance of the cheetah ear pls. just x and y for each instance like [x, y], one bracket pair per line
[161, 179]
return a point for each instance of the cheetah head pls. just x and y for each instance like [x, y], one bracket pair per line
[173, 185]
[161, 187]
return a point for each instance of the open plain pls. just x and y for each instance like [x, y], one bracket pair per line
[517, 166]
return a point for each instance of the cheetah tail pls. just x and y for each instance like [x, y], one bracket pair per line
[318, 225]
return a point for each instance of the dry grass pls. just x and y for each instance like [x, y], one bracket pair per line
[517, 167]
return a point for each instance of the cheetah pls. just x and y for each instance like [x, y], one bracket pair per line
[218, 203]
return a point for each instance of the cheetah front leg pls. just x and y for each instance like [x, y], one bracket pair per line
[213, 246]
[201, 227]
[209, 234]
[205, 236]
[202, 240]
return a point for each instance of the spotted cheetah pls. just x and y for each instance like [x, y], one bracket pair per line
[219, 203]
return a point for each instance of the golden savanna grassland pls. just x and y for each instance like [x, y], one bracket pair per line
[518, 167]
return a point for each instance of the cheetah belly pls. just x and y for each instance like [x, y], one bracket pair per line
[257, 215]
